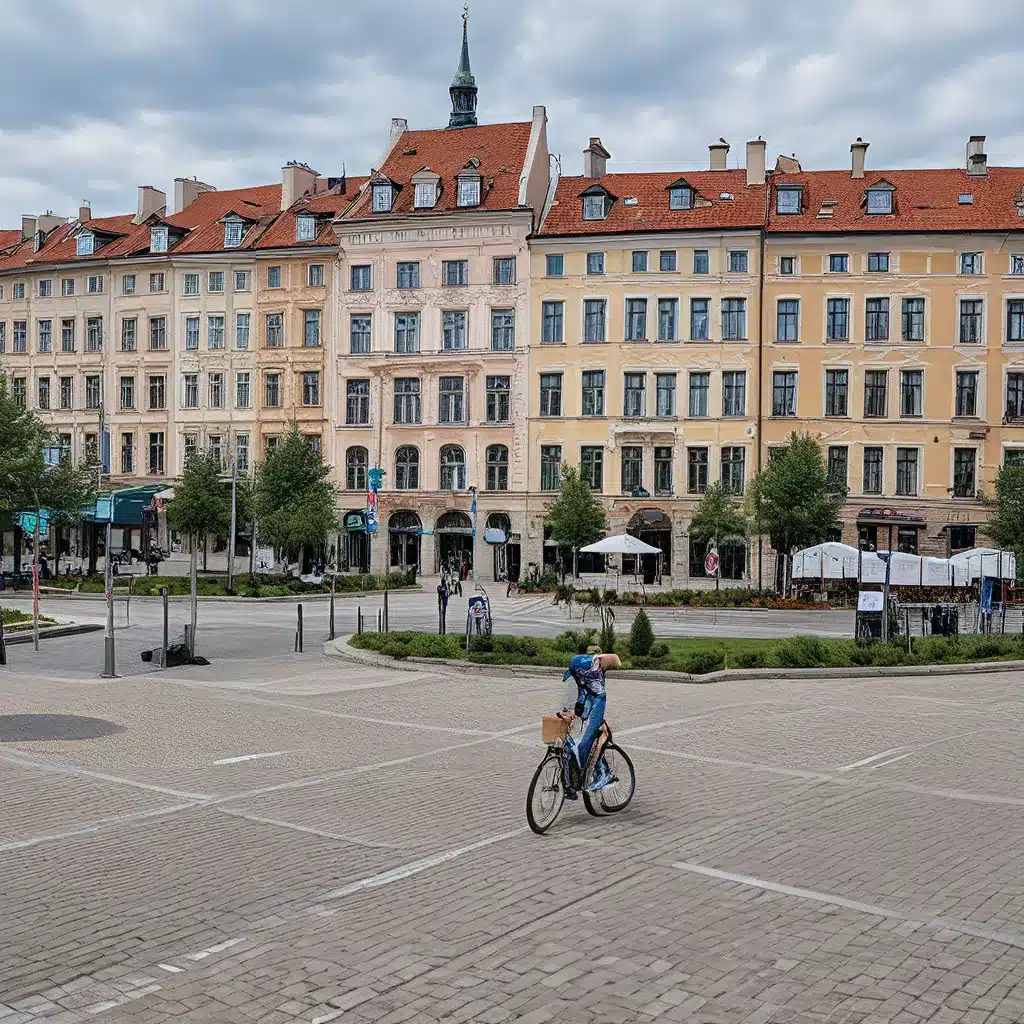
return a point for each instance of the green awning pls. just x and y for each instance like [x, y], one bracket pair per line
[128, 505]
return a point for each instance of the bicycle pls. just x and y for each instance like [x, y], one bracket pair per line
[558, 769]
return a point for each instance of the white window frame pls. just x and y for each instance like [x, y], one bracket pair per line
[382, 197]
[158, 238]
[305, 227]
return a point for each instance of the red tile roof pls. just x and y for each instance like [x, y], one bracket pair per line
[500, 148]
[259, 204]
[9, 238]
[924, 200]
[651, 212]
[281, 233]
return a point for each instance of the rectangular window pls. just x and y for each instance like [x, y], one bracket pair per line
[838, 462]
[970, 263]
[594, 319]
[242, 279]
[966, 393]
[19, 391]
[93, 334]
[190, 284]
[667, 260]
[551, 394]
[1013, 457]
[878, 262]
[67, 386]
[157, 391]
[734, 319]
[64, 442]
[734, 393]
[593, 393]
[552, 323]
[504, 270]
[784, 393]
[407, 332]
[913, 319]
[1015, 396]
[190, 391]
[788, 200]
[127, 393]
[408, 275]
[311, 387]
[663, 470]
[701, 261]
[839, 263]
[274, 277]
[499, 389]
[680, 198]
[128, 340]
[243, 391]
[67, 286]
[699, 320]
[127, 284]
[668, 319]
[906, 470]
[1017, 263]
[191, 333]
[452, 399]
[634, 396]
[970, 321]
[594, 207]
[700, 385]
[242, 453]
[550, 467]
[911, 392]
[156, 282]
[215, 281]
[876, 319]
[837, 392]
[20, 341]
[95, 284]
[407, 400]
[595, 262]
[554, 264]
[156, 452]
[879, 201]
[216, 390]
[733, 469]
[3, 336]
[45, 336]
[1014, 320]
[158, 333]
[469, 191]
[787, 319]
[872, 470]
[43, 393]
[357, 403]
[360, 334]
[455, 273]
[425, 195]
[93, 392]
[311, 328]
[876, 397]
[315, 275]
[242, 330]
[361, 278]
[738, 261]
[215, 332]
[696, 470]
[127, 453]
[787, 266]
[18, 291]
[837, 320]
[665, 393]
[67, 335]
[639, 262]
[275, 330]
[592, 466]
[964, 479]
[636, 319]
[632, 468]
[503, 330]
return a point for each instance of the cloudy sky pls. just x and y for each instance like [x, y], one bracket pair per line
[103, 95]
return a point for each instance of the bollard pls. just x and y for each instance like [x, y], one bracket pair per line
[163, 596]
[3, 646]
[385, 610]
[359, 619]
[299, 633]
[380, 620]
[332, 610]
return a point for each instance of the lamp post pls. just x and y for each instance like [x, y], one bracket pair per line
[472, 508]
[234, 523]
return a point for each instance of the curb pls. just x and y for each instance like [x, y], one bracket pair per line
[25, 636]
[341, 648]
[291, 599]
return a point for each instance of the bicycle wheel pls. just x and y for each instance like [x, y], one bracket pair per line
[618, 793]
[546, 796]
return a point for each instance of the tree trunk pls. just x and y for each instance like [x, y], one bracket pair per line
[575, 564]
[206, 544]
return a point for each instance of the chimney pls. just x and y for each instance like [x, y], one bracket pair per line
[755, 161]
[186, 190]
[84, 212]
[977, 160]
[595, 159]
[858, 152]
[296, 180]
[48, 221]
[151, 200]
[28, 227]
[719, 154]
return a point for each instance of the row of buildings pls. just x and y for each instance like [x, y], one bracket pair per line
[468, 316]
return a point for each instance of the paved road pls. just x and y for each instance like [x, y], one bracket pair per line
[296, 839]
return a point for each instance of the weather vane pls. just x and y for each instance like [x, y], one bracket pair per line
[465, 12]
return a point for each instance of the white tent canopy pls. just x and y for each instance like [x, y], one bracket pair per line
[833, 561]
[621, 544]
[977, 562]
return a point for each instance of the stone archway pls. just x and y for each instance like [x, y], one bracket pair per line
[653, 526]
[404, 532]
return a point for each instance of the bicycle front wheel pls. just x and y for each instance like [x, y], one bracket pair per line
[618, 793]
[546, 796]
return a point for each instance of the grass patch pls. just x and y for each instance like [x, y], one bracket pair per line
[19, 620]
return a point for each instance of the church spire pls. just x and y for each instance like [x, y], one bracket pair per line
[463, 87]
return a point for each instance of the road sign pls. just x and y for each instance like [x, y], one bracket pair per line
[870, 601]
[711, 562]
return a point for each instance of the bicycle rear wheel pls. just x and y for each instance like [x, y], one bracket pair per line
[618, 793]
[546, 796]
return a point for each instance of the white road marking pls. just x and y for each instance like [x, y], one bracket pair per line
[251, 757]
[170, 968]
[907, 751]
[308, 831]
[964, 927]
[868, 760]
[416, 866]
[892, 760]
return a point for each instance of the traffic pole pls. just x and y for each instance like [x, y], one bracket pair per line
[231, 539]
[35, 583]
[109, 670]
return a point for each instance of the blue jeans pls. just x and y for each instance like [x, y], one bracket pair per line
[595, 719]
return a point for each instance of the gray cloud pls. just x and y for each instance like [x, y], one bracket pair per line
[102, 95]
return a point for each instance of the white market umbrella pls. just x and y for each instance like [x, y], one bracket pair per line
[621, 544]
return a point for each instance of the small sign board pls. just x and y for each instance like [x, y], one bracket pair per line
[105, 509]
[494, 535]
[869, 601]
[711, 562]
[355, 521]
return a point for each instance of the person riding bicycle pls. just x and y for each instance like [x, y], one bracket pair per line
[587, 671]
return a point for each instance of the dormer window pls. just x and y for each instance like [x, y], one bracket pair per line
[595, 207]
[469, 190]
[879, 200]
[425, 195]
[680, 197]
[158, 239]
[383, 198]
[788, 200]
[305, 227]
[233, 231]
[85, 244]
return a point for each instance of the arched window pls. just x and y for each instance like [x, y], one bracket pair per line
[453, 468]
[497, 467]
[407, 468]
[355, 469]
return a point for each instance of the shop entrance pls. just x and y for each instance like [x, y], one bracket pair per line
[504, 555]
[653, 527]
[454, 540]
[404, 531]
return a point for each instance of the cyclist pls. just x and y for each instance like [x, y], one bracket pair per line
[587, 671]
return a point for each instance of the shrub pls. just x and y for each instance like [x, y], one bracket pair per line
[607, 638]
[575, 641]
[660, 651]
[394, 648]
[748, 659]
[699, 663]
[641, 635]
[801, 652]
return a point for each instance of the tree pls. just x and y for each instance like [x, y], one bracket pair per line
[202, 501]
[576, 517]
[717, 519]
[641, 635]
[792, 499]
[1006, 522]
[294, 500]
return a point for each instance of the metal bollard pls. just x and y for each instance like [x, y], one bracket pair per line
[359, 620]
[3, 646]
[385, 611]
[163, 595]
[300, 627]
[380, 620]
[332, 618]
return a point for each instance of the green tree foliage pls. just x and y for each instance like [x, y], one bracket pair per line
[576, 516]
[718, 519]
[1006, 512]
[202, 501]
[641, 635]
[294, 500]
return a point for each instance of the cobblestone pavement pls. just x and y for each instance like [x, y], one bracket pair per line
[797, 853]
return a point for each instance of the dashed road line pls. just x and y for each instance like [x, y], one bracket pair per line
[251, 757]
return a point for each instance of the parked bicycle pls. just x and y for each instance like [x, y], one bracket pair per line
[559, 771]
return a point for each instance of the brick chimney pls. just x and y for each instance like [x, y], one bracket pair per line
[151, 201]
[977, 159]
[858, 153]
[595, 159]
[296, 180]
[28, 227]
[84, 212]
[719, 154]
[755, 161]
[186, 190]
